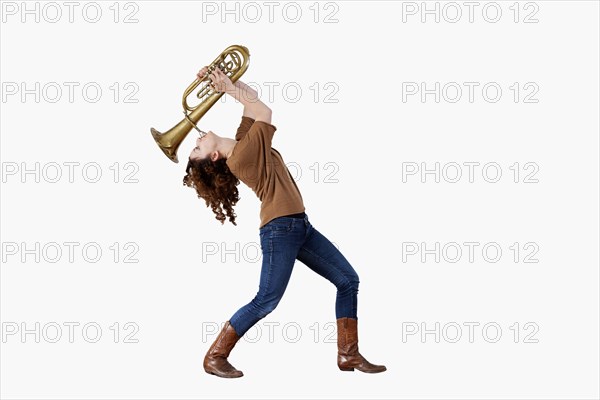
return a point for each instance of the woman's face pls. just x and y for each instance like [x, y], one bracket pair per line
[204, 147]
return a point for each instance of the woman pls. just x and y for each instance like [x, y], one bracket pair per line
[215, 167]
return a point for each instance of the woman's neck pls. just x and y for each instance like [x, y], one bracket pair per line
[225, 146]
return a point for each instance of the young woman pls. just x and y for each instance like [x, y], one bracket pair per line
[215, 167]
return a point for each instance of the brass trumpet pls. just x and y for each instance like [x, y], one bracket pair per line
[233, 61]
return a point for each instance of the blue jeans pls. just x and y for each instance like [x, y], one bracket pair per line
[284, 240]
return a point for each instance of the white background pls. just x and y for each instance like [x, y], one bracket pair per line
[179, 289]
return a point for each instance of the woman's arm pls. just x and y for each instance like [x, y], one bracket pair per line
[243, 93]
[250, 94]
[245, 124]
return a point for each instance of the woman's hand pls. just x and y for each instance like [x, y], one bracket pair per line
[220, 81]
[202, 72]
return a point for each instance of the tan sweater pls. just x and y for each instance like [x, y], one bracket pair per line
[261, 167]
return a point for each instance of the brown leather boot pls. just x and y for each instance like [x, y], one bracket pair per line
[215, 361]
[348, 356]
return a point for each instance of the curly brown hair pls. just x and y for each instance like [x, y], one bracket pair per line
[214, 183]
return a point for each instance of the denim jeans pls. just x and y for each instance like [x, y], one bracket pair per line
[284, 240]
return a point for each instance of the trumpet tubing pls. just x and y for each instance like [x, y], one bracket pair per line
[233, 61]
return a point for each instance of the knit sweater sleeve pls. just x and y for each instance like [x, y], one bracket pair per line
[245, 125]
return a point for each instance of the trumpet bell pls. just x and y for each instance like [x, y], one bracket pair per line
[165, 143]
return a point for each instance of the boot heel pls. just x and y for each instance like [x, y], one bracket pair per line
[346, 368]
